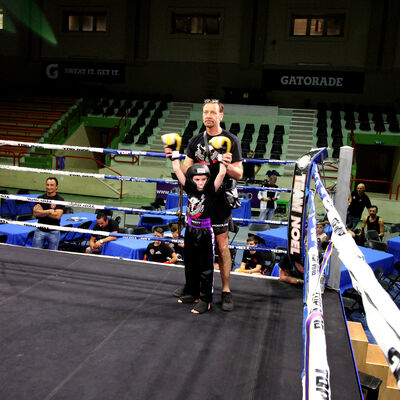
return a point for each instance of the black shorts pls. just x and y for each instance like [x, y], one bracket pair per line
[222, 225]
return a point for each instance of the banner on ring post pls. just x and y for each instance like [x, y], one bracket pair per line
[298, 205]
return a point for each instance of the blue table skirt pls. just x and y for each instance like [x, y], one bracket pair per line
[375, 258]
[126, 248]
[12, 208]
[394, 248]
[17, 234]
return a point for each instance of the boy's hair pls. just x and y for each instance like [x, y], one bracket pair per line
[174, 227]
[252, 239]
[159, 230]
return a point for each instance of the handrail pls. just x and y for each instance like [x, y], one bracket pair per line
[21, 154]
[397, 191]
[135, 159]
[376, 181]
[100, 163]
[65, 127]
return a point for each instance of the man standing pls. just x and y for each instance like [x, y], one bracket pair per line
[49, 214]
[374, 222]
[105, 225]
[249, 169]
[358, 200]
[268, 199]
[221, 218]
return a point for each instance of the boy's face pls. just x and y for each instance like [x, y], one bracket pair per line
[157, 242]
[252, 243]
[320, 228]
[175, 234]
[200, 181]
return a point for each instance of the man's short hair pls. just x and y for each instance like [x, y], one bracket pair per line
[101, 215]
[214, 101]
[375, 207]
[52, 178]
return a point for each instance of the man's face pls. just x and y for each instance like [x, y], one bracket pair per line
[360, 189]
[51, 187]
[200, 181]
[157, 242]
[372, 212]
[211, 115]
[102, 223]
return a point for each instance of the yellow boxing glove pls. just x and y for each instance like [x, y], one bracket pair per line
[173, 141]
[221, 144]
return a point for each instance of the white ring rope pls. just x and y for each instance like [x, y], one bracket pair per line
[123, 235]
[383, 315]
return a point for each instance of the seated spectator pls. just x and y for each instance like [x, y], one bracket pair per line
[290, 272]
[358, 236]
[374, 222]
[178, 248]
[158, 251]
[321, 235]
[252, 260]
[105, 225]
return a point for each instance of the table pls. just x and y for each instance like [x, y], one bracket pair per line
[126, 248]
[150, 220]
[173, 200]
[394, 248]
[274, 237]
[12, 208]
[17, 234]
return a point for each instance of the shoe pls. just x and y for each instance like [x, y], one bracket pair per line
[201, 307]
[227, 301]
[178, 292]
[188, 298]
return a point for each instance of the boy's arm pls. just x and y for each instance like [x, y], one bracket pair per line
[220, 177]
[176, 165]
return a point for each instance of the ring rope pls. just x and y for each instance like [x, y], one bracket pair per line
[116, 177]
[123, 235]
[382, 314]
[117, 151]
[126, 209]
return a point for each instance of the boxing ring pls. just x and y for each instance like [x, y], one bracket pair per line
[90, 327]
[77, 326]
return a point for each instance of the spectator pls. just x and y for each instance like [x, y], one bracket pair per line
[178, 248]
[105, 225]
[268, 199]
[252, 260]
[321, 235]
[249, 169]
[358, 200]
[374, 222]
[158, 251]
[49, 214]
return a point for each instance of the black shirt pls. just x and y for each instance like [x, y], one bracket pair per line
[48, 206]
[159, 253]
[200, 204]
[112, 226]
[358, 203]
[252, 260]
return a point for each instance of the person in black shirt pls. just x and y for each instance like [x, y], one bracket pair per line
[249, 169]
[102, 224]
[358, 200]
[221, 218]
[158, 251]
[374, 222]
[178, 248]
[50, 214]
[252, 260]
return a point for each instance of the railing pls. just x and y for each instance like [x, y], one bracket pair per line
[397, 191]
[17, 155]
[67, 121]
[135, 159]
[375, 181]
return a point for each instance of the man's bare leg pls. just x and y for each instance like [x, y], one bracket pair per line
[225, 266]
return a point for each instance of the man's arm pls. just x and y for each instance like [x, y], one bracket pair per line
[38, 212]
[381, 227]
[364, 222]
[173, 259]
[234, 170]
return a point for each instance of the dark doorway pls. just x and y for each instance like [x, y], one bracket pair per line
[376, 163]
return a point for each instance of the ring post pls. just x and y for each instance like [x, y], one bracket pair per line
[341, 204]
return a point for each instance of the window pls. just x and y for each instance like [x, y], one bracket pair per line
[1, 19]
[325, 25]
[85, 22]
[195, 24]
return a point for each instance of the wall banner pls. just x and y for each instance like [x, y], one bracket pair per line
[83, 72]
[313, 81]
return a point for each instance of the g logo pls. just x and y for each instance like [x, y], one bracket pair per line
[52, 71]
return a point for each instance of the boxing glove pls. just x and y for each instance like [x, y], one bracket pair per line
[221, 144]
[173, 141]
